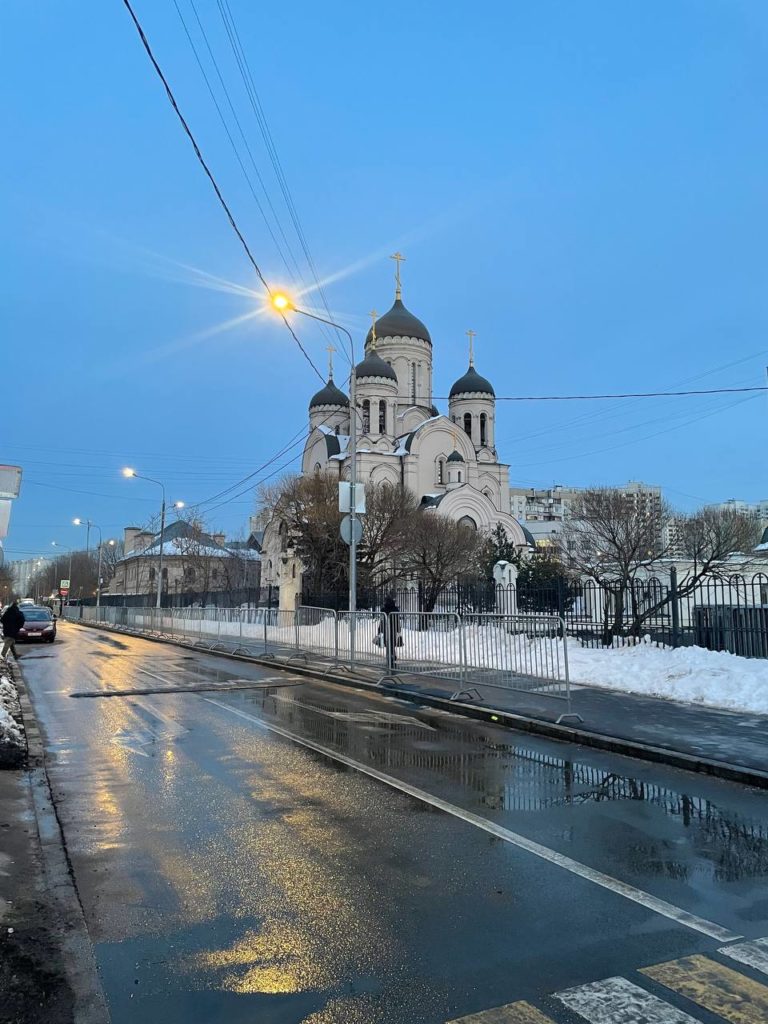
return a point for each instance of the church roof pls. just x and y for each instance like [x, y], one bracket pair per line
[328, 395]
[374, 366]
[472, 383]
[455, 456]
[399, 323]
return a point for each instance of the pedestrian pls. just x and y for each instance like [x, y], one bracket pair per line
[393, 638]
[12, 620]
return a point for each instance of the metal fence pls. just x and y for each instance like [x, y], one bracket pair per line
[510, 652]
[724, 612]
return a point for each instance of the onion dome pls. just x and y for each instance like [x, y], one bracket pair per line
[329, 395]
[374, 366]
[399, 323]
[472, 383]
[455, 457]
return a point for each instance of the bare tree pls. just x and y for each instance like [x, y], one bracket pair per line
[438, 551]
[613, 538]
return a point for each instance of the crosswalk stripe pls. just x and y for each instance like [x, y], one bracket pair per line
[733, 996]
[618, 1001]
[512, 1013]
[753, 954]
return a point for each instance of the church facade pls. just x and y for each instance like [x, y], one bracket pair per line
[449, 462]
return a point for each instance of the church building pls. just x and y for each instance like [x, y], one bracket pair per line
[450, 462]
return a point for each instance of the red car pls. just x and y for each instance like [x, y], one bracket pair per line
[39, 624]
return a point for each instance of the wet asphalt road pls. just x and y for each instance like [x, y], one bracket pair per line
[230, 874]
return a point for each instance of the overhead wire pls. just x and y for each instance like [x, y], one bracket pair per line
[241, 59]
[212, 180]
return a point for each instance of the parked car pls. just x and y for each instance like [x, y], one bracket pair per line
[39, 624]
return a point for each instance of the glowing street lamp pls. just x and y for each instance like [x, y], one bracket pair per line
[128, 472]
[92, 526]
[282, 303]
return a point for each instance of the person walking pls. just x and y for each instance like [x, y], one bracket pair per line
[12, 620]
[393, 638]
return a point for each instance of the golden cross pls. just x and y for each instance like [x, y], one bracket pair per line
[398, 258]
[471, 335]
[373, 315]
[330, 350]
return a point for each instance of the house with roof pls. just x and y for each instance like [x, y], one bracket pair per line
[193, 562]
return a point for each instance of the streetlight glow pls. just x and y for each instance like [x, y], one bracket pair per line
[178, 504]
[129, 472]
[281, 301]
[77, 522]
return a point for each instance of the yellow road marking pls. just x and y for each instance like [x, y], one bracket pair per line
[512, 1013]
[733, 996]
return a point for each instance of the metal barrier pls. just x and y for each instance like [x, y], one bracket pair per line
[519, 652]
[509, 652]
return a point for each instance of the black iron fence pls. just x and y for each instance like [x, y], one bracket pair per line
[258, 597]
[721, 613]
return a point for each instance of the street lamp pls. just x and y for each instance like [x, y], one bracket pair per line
[93, 526]
[128, 472]
[55, 544]
[283, 303]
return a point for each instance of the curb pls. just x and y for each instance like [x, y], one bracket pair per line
[77, 948]
[522, 723]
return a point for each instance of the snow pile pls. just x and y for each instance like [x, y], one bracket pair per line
[10, 733]
[691, 674]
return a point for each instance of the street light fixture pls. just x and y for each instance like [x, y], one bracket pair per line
[128, 472]
[93, 526]
[55, 544]
[282, 303]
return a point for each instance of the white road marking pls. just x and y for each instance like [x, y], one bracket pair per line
[753, 954]
[618, 1001]
[630, 892]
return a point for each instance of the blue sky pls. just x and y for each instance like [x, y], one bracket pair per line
[582, 184]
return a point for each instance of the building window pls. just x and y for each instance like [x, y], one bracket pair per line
[468, 424]
[366, 416]
[468, 521]
[413, 383]
[441, 471]
[317, 469]
[152, 575]
[189, 574]
[483, 429]
[214, 574]
[459, 476]
[382, 417]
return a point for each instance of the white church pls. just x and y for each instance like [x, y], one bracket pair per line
[450, 462]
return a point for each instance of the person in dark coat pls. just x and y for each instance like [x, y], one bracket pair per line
[12, 620]
[392, 635]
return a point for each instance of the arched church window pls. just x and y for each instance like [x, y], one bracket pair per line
[468, 424]
[317, 469]
[441, 471]
[483, 428]
[382, 417]
[366, 416]
[469, 522]
[459, 476]
[413, 383]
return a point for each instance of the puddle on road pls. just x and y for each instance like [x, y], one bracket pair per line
[679, 835]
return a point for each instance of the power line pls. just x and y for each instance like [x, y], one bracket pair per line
[591, 398]
[209, 175]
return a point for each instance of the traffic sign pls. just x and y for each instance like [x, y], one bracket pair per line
[347, 531]
[63, 591]
[64, 585]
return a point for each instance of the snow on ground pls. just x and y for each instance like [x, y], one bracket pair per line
[10, 733]
[691, 674]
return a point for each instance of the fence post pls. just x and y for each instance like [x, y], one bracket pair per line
[462, 652]
[675, 606]
[335, 637]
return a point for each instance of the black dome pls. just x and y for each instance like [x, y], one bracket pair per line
[399, 323]
[374, 366]
[455, 457]
[329, 395]
[472, 383]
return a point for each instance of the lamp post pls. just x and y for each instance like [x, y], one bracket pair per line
[127, 472]
[55, 544]
[93, 526]
[282, 303]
